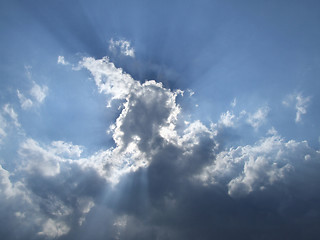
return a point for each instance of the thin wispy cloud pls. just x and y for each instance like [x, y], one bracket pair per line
[37, 95]
[234, 103]
[121, 46]
[258, 118]
[299, 102]
[62, 61]
[24, 102]
[13, 115]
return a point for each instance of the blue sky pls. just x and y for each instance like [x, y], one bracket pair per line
[119, 117]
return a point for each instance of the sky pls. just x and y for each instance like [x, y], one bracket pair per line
[159, 119]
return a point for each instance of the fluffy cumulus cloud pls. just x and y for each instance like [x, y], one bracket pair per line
[43, 162]
[269, 162]
[109, 79]
[162, 179]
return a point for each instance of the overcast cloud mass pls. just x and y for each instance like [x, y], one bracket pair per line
[159, 120]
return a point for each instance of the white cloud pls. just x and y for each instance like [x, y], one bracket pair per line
[123, 46]
[148, 118]
[191, 92]
[301, 106]
[193, 133]
[108, 78]
[227, 119]
[3, 125]
[120, 224]
[85, 205]
[12, 191]
[7, 116]
[121, 221]
[39, 92]
[36, 159]
[24, 102]
[272, 131]
[46, 160]
[62, 61]
[62, 148]
[149, 108]
[7, 188]
[28, 72]
[233, 103]
[255, 167]
[13, 115]
[299, 102]
[54, 229]
[258, 118]
[149, 113]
